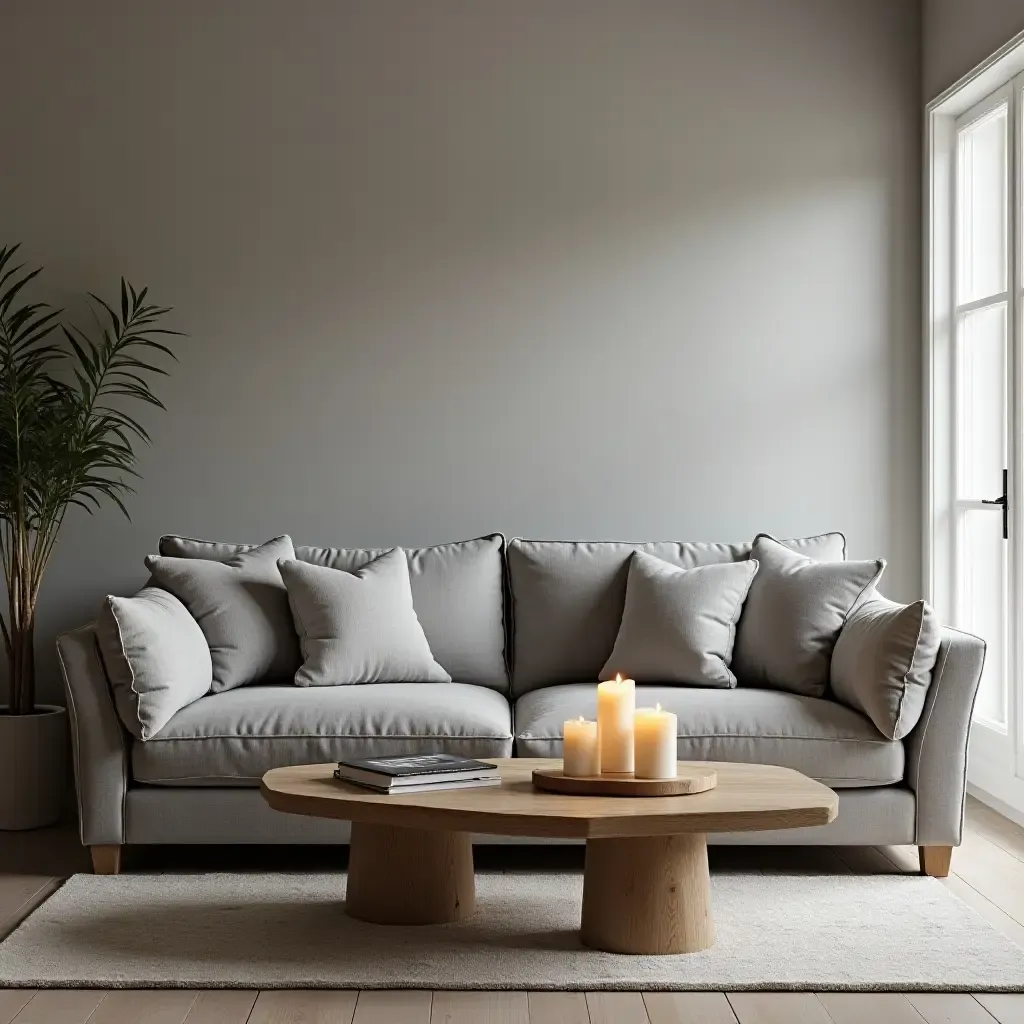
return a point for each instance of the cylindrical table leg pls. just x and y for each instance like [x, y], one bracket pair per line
[647, 895]
[409, 875]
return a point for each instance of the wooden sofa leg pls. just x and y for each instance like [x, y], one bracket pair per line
[106, 860]
[935, 860]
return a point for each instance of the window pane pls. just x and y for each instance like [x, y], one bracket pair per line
[982, 207]
[981, 604]
[981, 400]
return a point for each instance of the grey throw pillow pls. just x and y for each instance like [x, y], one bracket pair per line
[155, 656]
[359, 627]
[678, 625]
[883, 662]
[241, 606]
[793, 615]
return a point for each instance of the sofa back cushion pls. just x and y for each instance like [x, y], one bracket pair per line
[457, 591]
[568, 597]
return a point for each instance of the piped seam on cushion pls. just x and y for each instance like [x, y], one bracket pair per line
[745, 736]
[284, 736]
[77, 743]
[239, 548]
[178, 779]
[508, 622]
[937, 674]
[732, 682]
[147, 734]
[681, 543]
[296, 621]
[890, 780]
[896, 733]
[873, 582]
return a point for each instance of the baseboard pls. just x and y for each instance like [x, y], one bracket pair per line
[1007, 800]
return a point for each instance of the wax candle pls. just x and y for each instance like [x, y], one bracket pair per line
[580, 752]
[616, 703]
[655, 733]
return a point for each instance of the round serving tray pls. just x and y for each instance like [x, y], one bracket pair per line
[689, 780]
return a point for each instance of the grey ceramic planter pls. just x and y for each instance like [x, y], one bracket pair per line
[33, 767]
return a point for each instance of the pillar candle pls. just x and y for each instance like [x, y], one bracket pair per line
[616, 703]
[655, 739]
[580, 752]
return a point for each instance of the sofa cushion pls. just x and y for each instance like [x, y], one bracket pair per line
[358, 627]
[232, 738]
[678, 625]
[457, 591]
[241, 606]
[883, 660]
[155, 656]
[794, 613]
[568, 597]
[822, 739]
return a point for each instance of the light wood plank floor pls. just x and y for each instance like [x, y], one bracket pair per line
[988, 873]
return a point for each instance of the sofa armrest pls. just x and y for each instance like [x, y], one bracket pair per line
[937, 747]
[98, 740]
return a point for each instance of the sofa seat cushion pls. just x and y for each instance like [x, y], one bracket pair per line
[822, 739]
[232, 738]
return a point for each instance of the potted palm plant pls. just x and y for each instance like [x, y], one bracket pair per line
[65, 440]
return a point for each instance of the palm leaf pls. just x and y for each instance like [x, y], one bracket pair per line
[66, 439]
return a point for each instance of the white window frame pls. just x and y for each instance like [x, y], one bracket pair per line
[996, 757]
[1003, 97]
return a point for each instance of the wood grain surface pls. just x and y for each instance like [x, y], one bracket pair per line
[746, 797]
[688, 781]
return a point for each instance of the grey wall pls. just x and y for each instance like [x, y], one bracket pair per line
[959, 34]
[561, 268]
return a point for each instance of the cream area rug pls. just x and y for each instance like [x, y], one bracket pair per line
[842, 932]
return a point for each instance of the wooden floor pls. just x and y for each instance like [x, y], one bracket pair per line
[988, 873]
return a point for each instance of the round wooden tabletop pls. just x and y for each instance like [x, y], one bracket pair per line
[747, 797]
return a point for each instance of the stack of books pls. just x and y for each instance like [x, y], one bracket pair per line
[422, 773]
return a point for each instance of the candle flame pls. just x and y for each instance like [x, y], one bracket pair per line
[618, 677]
[581, 718]
[657, 706]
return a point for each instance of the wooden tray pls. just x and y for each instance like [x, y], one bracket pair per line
[690, 780]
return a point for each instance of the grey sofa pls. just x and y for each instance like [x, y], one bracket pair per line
[524, 629]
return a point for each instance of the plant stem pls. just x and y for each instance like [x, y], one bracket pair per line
[23, 668]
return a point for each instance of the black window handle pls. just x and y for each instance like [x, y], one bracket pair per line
[1003, 500]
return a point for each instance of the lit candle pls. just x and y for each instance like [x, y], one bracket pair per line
[655, 738]
[580, 753]
[616, 702]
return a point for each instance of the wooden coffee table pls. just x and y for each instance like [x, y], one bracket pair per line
[645, 884]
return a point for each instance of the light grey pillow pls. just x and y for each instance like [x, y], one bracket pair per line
[793, 615]
[241, 606]
[359, 627]
[678, 625]
[883, 662]
[155, 656]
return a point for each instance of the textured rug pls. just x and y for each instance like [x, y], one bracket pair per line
[841, 932]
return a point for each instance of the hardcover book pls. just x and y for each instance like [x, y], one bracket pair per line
[414, 771]
[424, 784]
